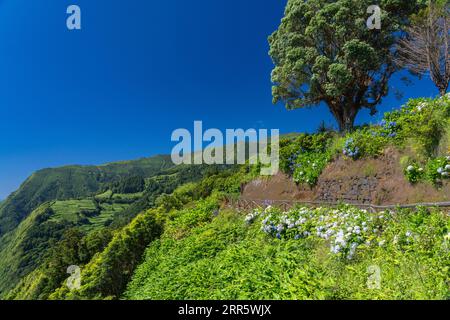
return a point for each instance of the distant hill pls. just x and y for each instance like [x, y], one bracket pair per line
[71, 182]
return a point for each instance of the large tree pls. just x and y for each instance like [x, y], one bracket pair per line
[323, 51]
[426, 49]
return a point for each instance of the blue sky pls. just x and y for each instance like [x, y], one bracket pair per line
[136, 71]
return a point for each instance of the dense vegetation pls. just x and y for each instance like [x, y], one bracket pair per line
[230, 257]
[39, 243]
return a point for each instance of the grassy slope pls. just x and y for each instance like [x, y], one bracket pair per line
[13, 263]
[227, 259]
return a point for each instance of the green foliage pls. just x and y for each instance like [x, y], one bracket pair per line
[23, 249]
[320, 57]
[422, 121]
[40, 274]
[187, 234]
[107, 273]
[438, 169]
[73, 249]
[309, 166]
[164, 183]
[228, 182]
[420, 125]
[129, 185]
[414, 173]
[228, 258]
[304, 157]
[181, 222]
[365, 142]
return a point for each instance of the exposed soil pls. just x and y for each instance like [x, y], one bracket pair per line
[376, 181]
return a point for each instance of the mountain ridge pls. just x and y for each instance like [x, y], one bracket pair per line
[69, 182]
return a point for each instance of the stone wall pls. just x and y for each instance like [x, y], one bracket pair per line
[351, 190]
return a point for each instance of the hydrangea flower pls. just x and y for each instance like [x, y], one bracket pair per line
[350, 149]
[344, 229]
[421, 106]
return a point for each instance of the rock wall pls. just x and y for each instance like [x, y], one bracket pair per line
[354, 190]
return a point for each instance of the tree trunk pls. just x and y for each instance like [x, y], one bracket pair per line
[345, 117]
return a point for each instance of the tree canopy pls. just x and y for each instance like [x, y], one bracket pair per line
[323, 51]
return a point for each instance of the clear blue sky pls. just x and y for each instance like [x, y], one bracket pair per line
[136, 71]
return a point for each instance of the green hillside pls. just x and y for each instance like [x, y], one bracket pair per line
[27, 246]
[31, 245]
[71, 182]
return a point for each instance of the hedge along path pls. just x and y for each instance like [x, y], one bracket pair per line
[247, 204]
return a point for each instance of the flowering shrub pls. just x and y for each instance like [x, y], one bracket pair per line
[438, 169]
[309, 166]
[252, 216]
[225, 258]
[291, 149]
[365, 142]
[435, 171]
[351, 149]
[422, 120]
[414, 173]
[346, 229]
[305, 157]
[388, 129]
[420, 123]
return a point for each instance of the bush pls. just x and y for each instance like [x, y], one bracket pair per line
[305, 156]
[366, 142]
[438, 169]
[346, 229]
[422, 120]
[230, 257]
[309, 166]
[414, 173]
